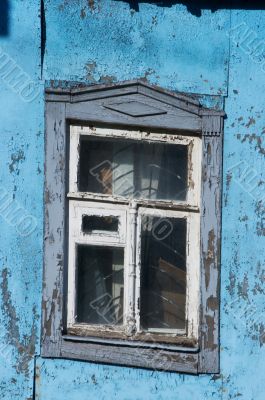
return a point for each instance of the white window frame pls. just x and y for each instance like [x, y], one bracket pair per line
[192, 269]
[99, 238]
[193, 143]
[130, 212]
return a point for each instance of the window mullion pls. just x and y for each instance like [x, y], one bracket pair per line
[138, 274]
[131, 273]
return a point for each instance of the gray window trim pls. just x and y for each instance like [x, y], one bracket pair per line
[95, 105]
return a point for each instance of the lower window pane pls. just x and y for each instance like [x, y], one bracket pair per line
[100, 283]
[163, 273]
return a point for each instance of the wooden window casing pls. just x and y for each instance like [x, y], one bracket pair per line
[134, 111]
[110, 207]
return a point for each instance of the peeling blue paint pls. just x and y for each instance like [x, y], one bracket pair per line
[104, 41]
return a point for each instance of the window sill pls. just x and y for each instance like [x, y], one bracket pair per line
[180, 345]
[132, 354]
[173, 343]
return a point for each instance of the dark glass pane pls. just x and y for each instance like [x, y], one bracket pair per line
[100, 284]
[163, 273]
[95, 166]
[92, 223]
[155, 171]
[160, 171]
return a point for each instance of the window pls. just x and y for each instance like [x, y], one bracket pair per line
[134, 220]
[132, 229]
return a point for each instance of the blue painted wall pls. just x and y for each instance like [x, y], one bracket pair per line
[106, 41]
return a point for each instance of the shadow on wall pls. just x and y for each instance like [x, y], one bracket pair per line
[4, 17]
[196, 7]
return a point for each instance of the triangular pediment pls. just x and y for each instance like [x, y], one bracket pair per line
[132, 103]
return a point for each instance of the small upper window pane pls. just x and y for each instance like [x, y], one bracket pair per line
[92, 223]
[153, 171]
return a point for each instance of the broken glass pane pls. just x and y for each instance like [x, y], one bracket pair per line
[100, 285]
[163, 273]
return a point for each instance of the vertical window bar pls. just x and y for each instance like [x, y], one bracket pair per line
[74, 159]
[138, 272]
[132, 226]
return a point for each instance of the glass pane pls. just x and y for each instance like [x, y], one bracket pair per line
[92, 223]
[100, 285]
[155, 171]
[163, 273]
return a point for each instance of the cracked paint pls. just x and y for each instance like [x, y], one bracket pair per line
[26, 347]
[92, 41]
[16, 159]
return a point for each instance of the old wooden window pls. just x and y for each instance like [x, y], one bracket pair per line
[131, 268]
[134, 236]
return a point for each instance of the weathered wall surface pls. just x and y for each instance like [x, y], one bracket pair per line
[21, 182]
[106, 41]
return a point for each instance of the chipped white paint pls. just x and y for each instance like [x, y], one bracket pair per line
[129, 231]
[130, 275]
[73, 160]
[99, 238]
[194, 152]
[192, 268]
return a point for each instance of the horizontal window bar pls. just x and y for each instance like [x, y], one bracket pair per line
[122, 200]
[133, 343]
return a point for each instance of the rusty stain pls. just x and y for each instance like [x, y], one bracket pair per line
[244, 218]
[209, 153]
[154, 20]
[212, 303]
[227, 186]
[242, 288]
[25, 349]
[47, 197]
[250, 122]
[91, 4]
[210, 258]
[258, 289]
[232, 283]
[260, 212]
[216, 377]
[228, 180]
[16, 158]
[258, 333]
[37, 375]
[210, 332]
[261, 335]
[83, 13]
[190, 170]
[257, 139]
[48, 319]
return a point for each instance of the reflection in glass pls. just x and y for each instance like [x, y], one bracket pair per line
[163, 273]
[100, 284]
[156, 171]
